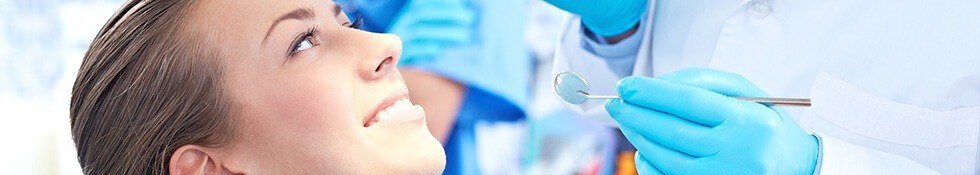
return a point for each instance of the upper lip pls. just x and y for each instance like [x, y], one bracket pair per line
[388, 101]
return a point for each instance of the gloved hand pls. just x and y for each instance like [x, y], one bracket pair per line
[687, 123]
[603, 17]
[427, 27]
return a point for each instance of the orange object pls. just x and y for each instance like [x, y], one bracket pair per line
[625, 165]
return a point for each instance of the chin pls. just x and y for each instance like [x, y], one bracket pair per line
[412, 151]
[431, 159]
[407, 148]
[437, 162]
[433, 164]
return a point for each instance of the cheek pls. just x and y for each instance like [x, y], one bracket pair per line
[303, 116]
[318, 103]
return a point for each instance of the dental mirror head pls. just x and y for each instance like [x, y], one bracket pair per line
[571, 87]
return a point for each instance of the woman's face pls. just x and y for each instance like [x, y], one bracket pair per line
[311, 94]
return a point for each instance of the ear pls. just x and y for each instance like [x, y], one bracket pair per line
[195, 160]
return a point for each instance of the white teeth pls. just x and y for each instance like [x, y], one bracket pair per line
[398, 107]
[402, 103]
[383, 115]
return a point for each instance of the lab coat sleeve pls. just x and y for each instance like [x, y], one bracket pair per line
[839, 157]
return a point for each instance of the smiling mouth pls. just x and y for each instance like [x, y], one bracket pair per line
[398, 110]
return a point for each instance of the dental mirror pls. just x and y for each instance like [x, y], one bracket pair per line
[573, 89]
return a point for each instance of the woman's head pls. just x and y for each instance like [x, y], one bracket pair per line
[262, 86]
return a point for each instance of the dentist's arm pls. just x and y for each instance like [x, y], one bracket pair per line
[605, 18]
[610, 30]
[840, 157]
[602, 59]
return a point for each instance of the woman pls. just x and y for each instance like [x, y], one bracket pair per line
[245, 87]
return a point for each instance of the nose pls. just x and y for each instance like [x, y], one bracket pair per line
[384, 59]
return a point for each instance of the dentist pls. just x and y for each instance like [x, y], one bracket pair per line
[895, 84]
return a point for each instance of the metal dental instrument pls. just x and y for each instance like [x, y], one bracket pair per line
[573, 89]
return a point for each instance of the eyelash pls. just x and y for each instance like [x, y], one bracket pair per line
[311, 35]
[308, 35]
[358, 22]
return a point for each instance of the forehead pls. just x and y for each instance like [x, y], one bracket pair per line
[266, 10]
[245, 21]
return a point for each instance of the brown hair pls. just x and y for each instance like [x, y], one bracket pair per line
[145, 89]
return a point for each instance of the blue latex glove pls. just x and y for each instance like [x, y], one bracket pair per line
[687, 123]
[603, 17]
[427, 27]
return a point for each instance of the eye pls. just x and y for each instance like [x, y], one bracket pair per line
[306, 41]
[304, 44]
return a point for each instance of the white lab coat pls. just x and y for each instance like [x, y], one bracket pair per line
[895, 84]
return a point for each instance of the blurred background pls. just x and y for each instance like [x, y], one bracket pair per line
[41, 46]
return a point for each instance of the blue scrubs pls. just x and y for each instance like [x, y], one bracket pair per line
[496, 68]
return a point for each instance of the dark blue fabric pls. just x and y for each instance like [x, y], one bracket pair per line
[478, 106]
[378, 15]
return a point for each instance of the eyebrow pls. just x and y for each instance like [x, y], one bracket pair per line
[297, 14]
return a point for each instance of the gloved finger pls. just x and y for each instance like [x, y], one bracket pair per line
[644, 166]
[423, 47]
[420, 51]
[453, 16]
[443, 35]
[423, 3]
[688, 102]
[667, 130]
[726, 83]
[425, 13]
[457, 14]
[433, 32]
[729, 84]
[659, 156]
